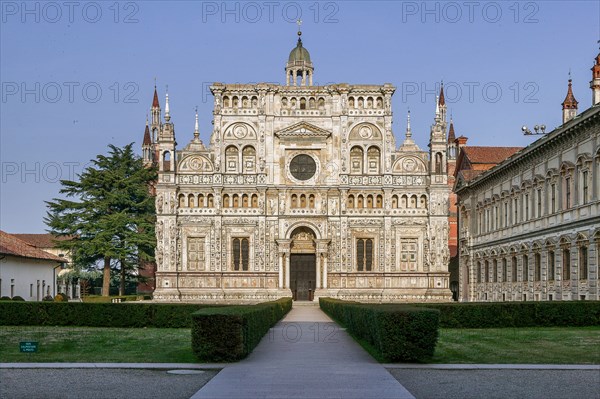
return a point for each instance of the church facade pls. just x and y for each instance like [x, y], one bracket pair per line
[302, 191]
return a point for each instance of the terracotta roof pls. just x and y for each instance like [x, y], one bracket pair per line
[40, 240]
[147, 140]
[11, 245]
[488, 155]
[469, 174]
[570, 102]
[155, 100]
[442, 100]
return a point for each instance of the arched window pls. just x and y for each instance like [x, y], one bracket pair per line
[211, 200]
[514, 269]
[423, 203]
[166, 161]
[226, 203]
[226, 102]
[369, 102]
[495, 271]
[235, 102]
[249, 159]
[231, 159]
[351, 201]
[413, 201]
[551, 264]
[373, 159]
[302, 201]
[351, 102]
[361, 102]
[321, 103]
[525, 268]
[356, 160]
[254, 201]
[191, 202]
[303, 103]
[583, 262]
[182, 203]
[245, 201]
[312, 104]
[394, 201]
[360, 202]
[487, 272]
[379, 203]
[504, 270]
[404, 201]
[236, 201]
[379, 102]
[294, 201]
[369, 201]
[254, 101]
[479, 272]
[311, 201]
[200, 200]
[538, 267]
[245, 102]
[566, 264]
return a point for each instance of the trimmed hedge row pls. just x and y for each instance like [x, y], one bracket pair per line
[518, 314]
[98, 314]
[230, 333]
[397, 332]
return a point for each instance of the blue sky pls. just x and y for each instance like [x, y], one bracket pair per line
[79, 76]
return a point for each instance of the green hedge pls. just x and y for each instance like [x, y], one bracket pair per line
[397, 332]
[518, 314]
[230, 333]
[97, 314]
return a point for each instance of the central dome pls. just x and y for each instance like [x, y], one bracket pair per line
[299, 53]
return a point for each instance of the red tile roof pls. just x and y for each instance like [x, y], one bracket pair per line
[442, 100]
[570, 102]
[41, 240]
[12, 245]
[451, 136]
[489, 155]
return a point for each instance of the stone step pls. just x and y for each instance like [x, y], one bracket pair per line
[312, 304]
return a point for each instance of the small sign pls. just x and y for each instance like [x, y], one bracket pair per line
[28, 346]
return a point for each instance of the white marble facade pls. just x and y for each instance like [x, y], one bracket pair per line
[301, 191]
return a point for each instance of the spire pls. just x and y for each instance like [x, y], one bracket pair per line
[408, 132]
[155, 103]
[437, 107]
[451, 135]
[570, 101]
[167, 112]
[196, 130]
[442, 100]
[147, 141]
[595, 82]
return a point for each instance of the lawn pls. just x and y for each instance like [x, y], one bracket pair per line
[551, 345]
[93, 344]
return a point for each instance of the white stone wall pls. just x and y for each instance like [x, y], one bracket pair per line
[31, 279]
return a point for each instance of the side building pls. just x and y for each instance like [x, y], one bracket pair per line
[529, 227]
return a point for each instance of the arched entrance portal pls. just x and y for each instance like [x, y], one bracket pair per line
[303, 264]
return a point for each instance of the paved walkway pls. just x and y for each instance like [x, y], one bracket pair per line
[305, 355]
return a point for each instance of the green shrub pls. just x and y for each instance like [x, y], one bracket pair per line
[518, 314]
[98, 314]
[17, 298]
[5, 298]
[60, 297]
[230, 333]
[397, 332]
[48, 298]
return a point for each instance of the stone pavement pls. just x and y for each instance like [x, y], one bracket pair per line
[306, 355]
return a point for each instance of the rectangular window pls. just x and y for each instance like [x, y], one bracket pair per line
[553, 198]
[539, 203]
[408, 254]
[583, 263]
[487, 272]
[496, 216]
[195, 253]
[525, 268]
[364, 254]
[526, 207]
[516, 210]
[12, 287]
[479, 272]
[506, 214]
[567, 193]
[551, 262]
[538, 267]
[504, 270]
[566, 270]
[514, 268]
[495, 271]
[584, 187]
[241, 250]
[31, 290]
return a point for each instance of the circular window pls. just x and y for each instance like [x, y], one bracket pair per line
[303, 167]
